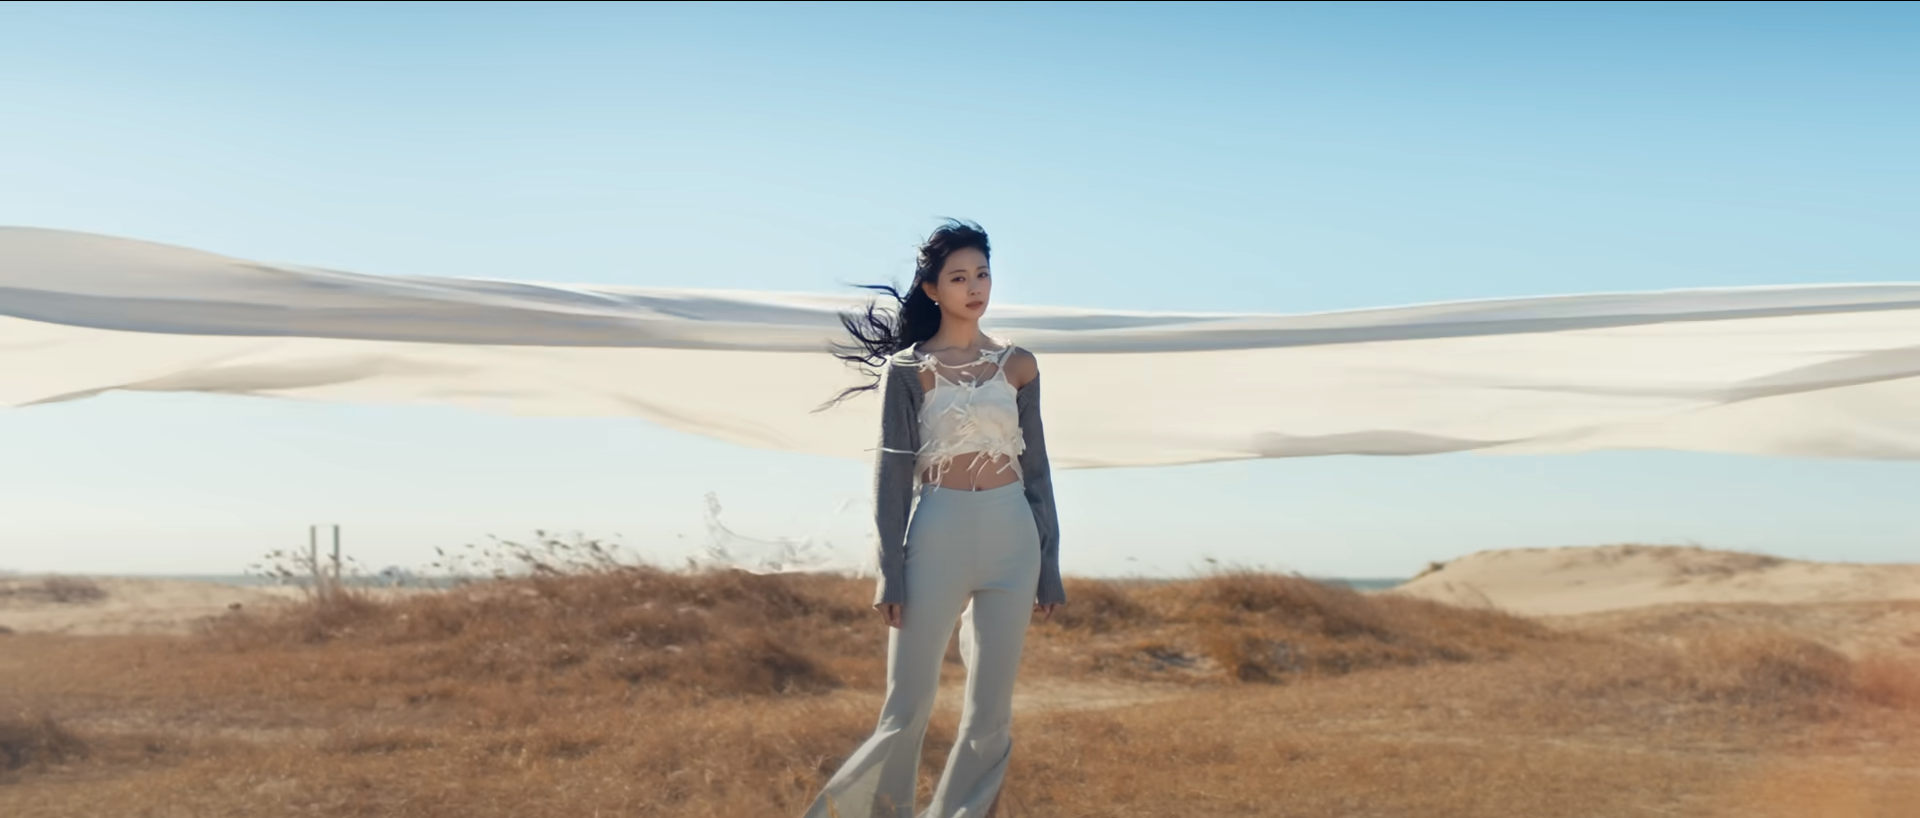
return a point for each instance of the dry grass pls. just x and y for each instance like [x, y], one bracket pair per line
[1888, 682]
[36, 740]
[714, 634]
[1254, 627]
[648, 693]
[62, 590]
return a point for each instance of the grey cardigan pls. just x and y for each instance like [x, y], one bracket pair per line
[895, 475]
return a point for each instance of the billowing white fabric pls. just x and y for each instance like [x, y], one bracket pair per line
[1817, 371]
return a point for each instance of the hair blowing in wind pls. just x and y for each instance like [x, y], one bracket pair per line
[880, 330]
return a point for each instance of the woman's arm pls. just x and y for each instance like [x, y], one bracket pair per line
[1038, 475]
[893, 479]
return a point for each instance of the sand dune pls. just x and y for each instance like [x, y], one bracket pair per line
[1574, 581]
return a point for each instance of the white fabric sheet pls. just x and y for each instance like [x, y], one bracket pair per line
[1814, 371]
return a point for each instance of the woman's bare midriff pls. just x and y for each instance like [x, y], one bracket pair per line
[972, 472]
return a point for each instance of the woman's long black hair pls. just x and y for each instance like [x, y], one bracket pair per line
[881, 330]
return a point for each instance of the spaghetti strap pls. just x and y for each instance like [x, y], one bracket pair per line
[1000, 364]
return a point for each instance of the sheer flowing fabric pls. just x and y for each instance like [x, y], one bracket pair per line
[1813, 371]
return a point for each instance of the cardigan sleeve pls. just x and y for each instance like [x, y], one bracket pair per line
[893, 477]
[1038, 476]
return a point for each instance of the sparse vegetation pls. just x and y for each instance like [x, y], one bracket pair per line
[62, 590]
[625, 689]
[1248, 626]
[36, 740]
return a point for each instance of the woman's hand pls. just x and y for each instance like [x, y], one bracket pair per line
[1046, 611]
[889, 611]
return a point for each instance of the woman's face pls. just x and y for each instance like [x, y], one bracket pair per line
[964, 284]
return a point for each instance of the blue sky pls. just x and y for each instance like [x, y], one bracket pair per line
[1276, 158]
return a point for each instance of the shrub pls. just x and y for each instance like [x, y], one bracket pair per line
[36, 740]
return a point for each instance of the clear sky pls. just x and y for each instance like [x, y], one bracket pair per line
[1275, 158]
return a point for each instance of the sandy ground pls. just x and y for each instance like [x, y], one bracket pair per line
[1662, 593]
[128, 605]
[1576, 581]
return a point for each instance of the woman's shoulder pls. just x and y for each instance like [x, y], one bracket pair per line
[903, 368]
[1021, 365]
[907, 356]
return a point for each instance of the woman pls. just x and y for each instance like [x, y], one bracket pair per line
[960, 427]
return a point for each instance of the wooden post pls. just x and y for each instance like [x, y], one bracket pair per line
[313, 557]
[336, 555]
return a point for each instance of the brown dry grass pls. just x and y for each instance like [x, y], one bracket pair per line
[63, 590]
[37, 740]
[648, 693]
[1255, 627]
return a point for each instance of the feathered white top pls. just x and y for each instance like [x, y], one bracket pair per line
[970, 410]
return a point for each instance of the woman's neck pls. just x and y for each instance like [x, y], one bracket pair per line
[955, 334]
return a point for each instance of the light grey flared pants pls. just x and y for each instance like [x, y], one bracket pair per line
[972, 550]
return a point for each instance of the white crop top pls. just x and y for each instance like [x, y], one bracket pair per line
[965, 412]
